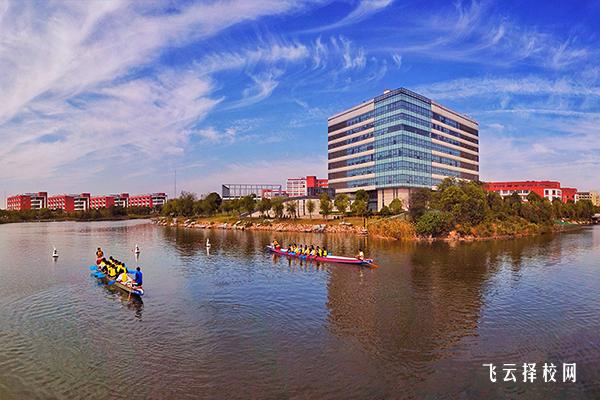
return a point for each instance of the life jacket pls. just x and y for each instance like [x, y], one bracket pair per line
[111, 271]
[324, 253]
[123, 277]
[319, 252]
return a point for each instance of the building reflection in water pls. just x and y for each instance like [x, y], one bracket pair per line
[411, 313]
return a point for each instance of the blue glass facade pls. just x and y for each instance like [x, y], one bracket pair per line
[402, 140]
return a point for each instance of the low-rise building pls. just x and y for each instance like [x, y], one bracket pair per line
[27, 201]
[97, 202]
[271, 194]
[568, 194]
[147, 200]
[306, 186]
[61, 202]
[121, 200]
[594, 197]
[550, 190]
[231, 191]
[69, 202]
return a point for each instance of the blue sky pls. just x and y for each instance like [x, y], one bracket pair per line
[114, 96]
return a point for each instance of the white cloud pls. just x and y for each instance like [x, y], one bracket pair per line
[529, 85]
[71, 96]
[364, 10]
[353, 58]
[480, 33]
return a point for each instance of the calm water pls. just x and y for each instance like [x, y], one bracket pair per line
[239, 323]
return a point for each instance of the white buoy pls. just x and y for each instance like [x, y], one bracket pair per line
[137, 249]
[55, 253]
[207, 242]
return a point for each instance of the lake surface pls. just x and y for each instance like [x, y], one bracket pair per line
[241, 323]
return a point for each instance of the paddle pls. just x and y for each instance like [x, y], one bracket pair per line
[93, 267]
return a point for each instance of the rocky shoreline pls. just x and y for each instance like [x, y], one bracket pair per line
[341, 227]
[338, 227]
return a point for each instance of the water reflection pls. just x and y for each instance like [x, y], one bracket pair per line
[235, 321]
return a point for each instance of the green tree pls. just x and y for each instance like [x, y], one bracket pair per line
[211, 203]
[513, 203]
[396, 206]
[310, 207]
[419, 201]
[569, 210]
[264, 205]
[385, 211]
[325, 205]
[359, 207]
[533, 197]
[278, 207]
[185, 204]
[434, 223]
[290, 207]
[557, 208]
[248, 204]
[227, 207]
[199, 207]
[495, 202]
[584, 209]
[341, 202]
[362, 195]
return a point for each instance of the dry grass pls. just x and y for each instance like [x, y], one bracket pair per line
[392, 228]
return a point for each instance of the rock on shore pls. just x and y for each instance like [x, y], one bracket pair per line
[342, 227]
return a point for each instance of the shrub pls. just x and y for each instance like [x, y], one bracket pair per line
[434, 223]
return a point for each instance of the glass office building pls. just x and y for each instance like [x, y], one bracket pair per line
[399, 141]
[231, 191]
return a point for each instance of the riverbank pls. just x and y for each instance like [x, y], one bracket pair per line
[350, 225]
[384, 228]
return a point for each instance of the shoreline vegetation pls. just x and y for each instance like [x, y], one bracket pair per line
[456, 211]
[104, 214]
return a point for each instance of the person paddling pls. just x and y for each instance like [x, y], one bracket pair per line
[138, 277]
[360, 255]
[99, 255]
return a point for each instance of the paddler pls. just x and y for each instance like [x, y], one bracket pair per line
[99, 255]
[360, 255]
[124, 278]
[138, 277]
[324, 252]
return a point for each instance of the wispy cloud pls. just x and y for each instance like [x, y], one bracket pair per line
[480, 33]
[363, 10]
[70, 72]
[491, 86]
